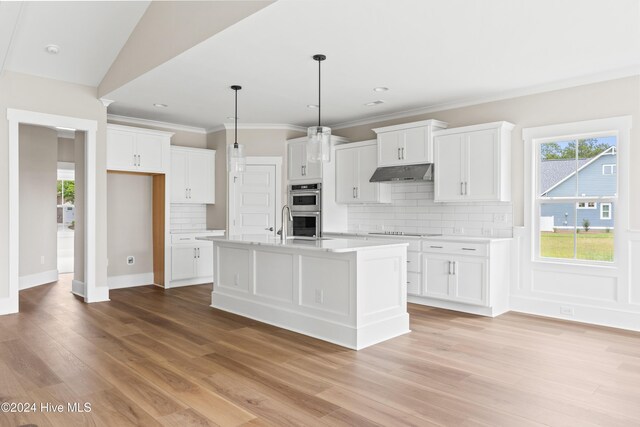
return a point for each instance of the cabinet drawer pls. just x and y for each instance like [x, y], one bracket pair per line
[457, 248]
[413, 262]
[177, 239]
[414, 283]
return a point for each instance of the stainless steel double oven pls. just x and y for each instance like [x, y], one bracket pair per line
[305, 201]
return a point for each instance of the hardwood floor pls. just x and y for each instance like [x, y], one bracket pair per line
[153, 357]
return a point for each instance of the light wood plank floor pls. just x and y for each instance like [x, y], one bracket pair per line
[152, 357]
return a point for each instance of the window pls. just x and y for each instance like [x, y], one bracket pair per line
[587, 205]
[575, 176]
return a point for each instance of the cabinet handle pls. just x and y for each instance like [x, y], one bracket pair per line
[139, 160]
[186, 193]
[198, 252]
[185, 238]
[353, 192]
[468, 249]
[269, 229]
[462, 188]
[195, 253]
[436, 247]
[135, 162]
[402, 153]
[399, 155]
[455, 267]
[449, 267]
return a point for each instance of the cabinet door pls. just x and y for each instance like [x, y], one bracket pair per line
[312, 170]
[204, 264]
[448, 160]
[297, 160]
[435, 269]
[179, 176]
[471, 280]
[121, 150]
[367, 162]
[149, 149]
[483, 166]
[346, 161]
[200, 176]
[183, 262]
[417, 147]
[389, 152]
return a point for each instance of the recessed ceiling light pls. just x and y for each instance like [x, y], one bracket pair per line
[52, 49]
[312, 105]
[380, 89]
[160, 105]
[371, 104]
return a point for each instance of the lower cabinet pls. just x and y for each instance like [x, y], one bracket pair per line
[191, 259]
[461, 279]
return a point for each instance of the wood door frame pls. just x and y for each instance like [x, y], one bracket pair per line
[90, 292]
[255, 161]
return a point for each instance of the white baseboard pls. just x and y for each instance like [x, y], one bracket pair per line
[621, 319]
[455, 306]
[38, 279]
[77, 288]
[189, 282]
[130, 280]
[8, 305]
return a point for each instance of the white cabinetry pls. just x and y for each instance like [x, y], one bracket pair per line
[137, 150]
[409, 143]
[299, 168]
[191, 259]
[355, 163]
[473, 163]
[192, 175]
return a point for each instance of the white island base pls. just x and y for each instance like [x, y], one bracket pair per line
[348, 292]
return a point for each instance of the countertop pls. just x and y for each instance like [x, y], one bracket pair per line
[449, 238]
[327, 245]
[196, 231]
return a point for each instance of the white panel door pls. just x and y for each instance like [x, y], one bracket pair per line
[253, 198]
[149, 149]
[346, 180]
[389, 148]
[449, 157]
[435, 269]
[367, 164]
[183, 262]
[483, 153]
[200, 174]
[204, 262]
[179, 193]
[121, 147]
[297, 159]
[416, 146]
[471, 280]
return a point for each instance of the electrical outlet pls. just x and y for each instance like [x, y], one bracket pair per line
[319, 296]
[42, 259]
[567, 311]
[131, 260]
[458, 230]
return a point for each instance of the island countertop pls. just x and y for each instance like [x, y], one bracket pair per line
[323, 244]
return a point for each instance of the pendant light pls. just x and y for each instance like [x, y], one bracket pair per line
[236, 160]
[319, 143]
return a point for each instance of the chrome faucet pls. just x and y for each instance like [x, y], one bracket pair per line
[285, 224]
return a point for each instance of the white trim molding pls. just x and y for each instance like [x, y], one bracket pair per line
[77, 288]
[155, 123]
[130, 280]
[257, 126]
[593, 292]
[37, 279]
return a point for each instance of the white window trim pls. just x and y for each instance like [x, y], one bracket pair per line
[532, 137]
[612, 168]
[602, 205]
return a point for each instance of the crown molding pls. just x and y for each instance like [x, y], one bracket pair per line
[106, 102]
[257, 126]
[155, 123]
[532, 90]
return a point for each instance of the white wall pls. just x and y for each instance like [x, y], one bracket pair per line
[38, 176]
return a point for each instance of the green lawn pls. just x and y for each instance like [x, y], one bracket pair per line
[597, 246]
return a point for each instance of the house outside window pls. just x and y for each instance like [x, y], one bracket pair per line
[577, 189]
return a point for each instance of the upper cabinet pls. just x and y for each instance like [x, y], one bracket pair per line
[473, 163]
[355, 163]
[299, 169]
[137, 150]
[406, 144]
[192, 175]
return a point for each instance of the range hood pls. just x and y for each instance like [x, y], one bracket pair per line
[421, 172]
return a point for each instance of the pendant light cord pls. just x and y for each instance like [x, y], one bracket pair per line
[235, 117]
[319, 92]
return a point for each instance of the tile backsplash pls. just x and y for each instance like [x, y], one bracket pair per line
[412, 210]
[188, 217]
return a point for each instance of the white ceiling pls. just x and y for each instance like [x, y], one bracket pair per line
[429, 52]
[90, 35]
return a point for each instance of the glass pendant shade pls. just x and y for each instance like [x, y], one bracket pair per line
[236, 160]
[319, 144]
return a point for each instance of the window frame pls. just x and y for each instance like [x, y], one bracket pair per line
[613, 169]
[610, 217]
[620, 127]
[595, 205]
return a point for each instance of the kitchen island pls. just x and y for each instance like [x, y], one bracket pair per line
[349, 292]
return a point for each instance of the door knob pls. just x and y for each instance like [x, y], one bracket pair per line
[269, 229]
